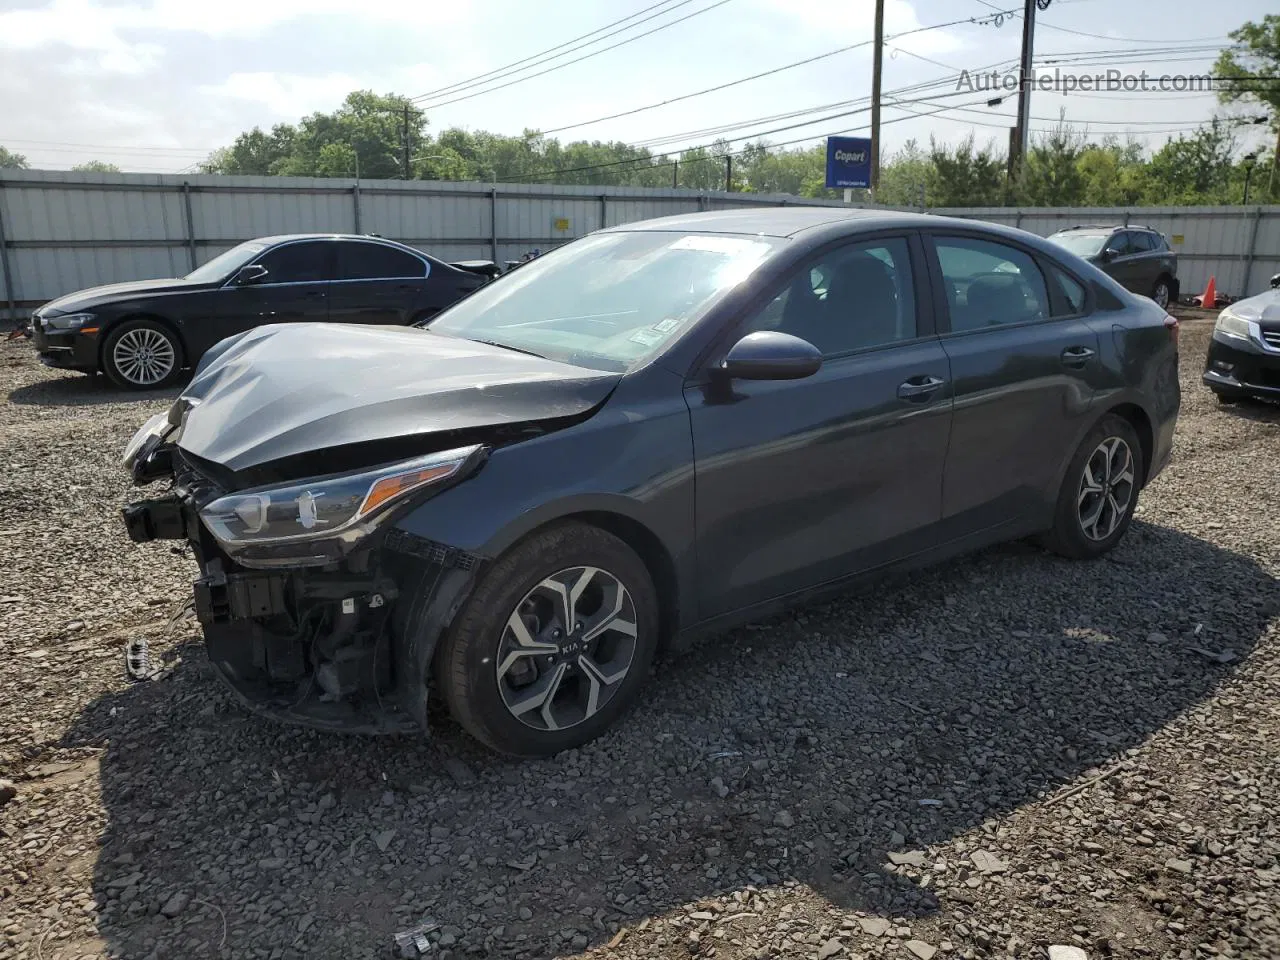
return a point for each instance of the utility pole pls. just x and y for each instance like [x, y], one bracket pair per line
[1026, 76]
[675, 174]
[728, 173]
[877, 62]
[406, 142]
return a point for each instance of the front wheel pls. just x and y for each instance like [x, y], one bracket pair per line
[1161, 293]
[142, 355]
[1099, 492]
[554, 644]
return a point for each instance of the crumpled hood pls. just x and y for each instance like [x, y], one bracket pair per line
[283, 390]
[94, 296]
[1263, 309]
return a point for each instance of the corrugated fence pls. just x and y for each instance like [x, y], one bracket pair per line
[61, 232]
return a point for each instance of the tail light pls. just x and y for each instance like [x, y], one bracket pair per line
[1171, 324]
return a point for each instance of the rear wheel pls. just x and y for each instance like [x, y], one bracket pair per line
[1099, 492]
[142, 355]
[1227, 399]
[554, 645]
[1161, 293]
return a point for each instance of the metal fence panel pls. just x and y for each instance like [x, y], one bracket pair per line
[63, 231]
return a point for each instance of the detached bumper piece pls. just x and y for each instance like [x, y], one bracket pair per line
[161, 519]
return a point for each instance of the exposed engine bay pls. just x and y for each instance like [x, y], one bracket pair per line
[344, 646]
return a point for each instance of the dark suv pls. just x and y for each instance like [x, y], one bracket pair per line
[1140, 258]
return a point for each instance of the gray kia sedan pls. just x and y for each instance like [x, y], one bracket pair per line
[659, 430]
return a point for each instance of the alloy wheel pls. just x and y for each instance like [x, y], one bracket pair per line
[1161, 295]
[566, 648]
[144, 356]
[1106, 489]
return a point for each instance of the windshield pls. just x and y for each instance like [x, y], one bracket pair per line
[1081, 244]
[608, 301]
[225, 264]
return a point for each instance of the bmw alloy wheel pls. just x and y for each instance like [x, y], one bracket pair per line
[144, 356]
[1106, 489]
[566, 648]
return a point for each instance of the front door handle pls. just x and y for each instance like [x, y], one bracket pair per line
[1076, 356]
[919, 389]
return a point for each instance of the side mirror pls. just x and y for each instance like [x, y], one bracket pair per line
[250, 274]
[1275, 281]
[770, 355]
[1107, 254]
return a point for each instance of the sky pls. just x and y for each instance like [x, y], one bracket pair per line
[155, 85]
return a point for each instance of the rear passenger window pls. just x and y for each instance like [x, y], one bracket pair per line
[1141, 241]
[854, 297]
[1072, 291]
[373, 261]
[989, 284]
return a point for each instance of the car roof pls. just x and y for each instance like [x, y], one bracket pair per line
[818, 225]
[281, 238]
[789, 221]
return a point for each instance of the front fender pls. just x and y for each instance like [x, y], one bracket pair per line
[633, 459]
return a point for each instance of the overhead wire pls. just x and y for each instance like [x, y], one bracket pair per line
[567, 63]
[511, 67]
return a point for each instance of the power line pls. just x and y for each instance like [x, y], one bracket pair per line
[489, 75]
[756, 76]
[568, 63]
[1099, 36]
[650, 159]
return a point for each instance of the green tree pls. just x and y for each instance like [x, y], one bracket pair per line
[1192, 170]
[12, 161]
[965, 176]
[1113, 173]
[906, 176]
[1252, 75]
[1050, 175]
[96, 166]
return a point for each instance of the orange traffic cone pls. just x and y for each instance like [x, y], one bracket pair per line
[1209, 298]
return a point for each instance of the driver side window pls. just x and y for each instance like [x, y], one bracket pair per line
[852, 298]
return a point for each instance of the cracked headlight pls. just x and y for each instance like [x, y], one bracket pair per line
[317, 521]
[67, 321]
[156, 427]
[1229, 325]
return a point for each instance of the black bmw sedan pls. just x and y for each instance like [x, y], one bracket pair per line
[142, 334]
[659, 430]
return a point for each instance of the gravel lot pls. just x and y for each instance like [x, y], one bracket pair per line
[988, 759]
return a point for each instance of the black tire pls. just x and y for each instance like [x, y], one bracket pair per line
[470, 658]
[1162, 292]
[165, 359]
[1070, 536]
[1227, 399]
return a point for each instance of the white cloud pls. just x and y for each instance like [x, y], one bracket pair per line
[83, 26]
[109, 32]
[285, 94]
[854, 22]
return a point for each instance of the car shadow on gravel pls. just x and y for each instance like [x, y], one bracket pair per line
[800, 749]
[78, 390]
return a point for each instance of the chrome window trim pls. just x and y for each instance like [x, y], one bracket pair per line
[337, 238]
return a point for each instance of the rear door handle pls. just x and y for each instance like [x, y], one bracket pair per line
[1076, 356]
[919, 389]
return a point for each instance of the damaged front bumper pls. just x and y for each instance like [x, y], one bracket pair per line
[343, 647]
